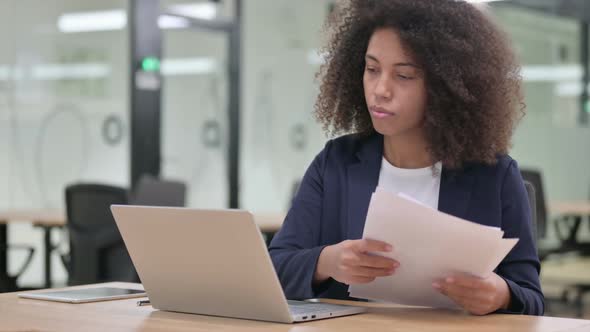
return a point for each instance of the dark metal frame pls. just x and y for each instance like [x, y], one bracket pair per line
[3, 253]
[146, 105]
[235, 58]
[146, 41]
[585, 60]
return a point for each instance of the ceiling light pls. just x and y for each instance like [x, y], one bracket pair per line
[188, 66]
[172, 22]
[92, 21]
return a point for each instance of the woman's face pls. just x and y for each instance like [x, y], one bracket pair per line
[395, 89]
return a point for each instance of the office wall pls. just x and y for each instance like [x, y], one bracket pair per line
[194, 115]
[550, 138]
[61, 90]
[6, 57]
[63, 112]
[280, 136]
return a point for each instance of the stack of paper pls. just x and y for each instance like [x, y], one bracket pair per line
[429, 245]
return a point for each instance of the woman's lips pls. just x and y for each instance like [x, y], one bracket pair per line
[380, 112]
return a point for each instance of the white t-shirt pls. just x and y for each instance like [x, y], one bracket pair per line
[420, 183]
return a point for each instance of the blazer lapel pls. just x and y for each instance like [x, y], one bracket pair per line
[455, 192]
[363, 177]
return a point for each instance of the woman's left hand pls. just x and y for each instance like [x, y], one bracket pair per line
[476, 295]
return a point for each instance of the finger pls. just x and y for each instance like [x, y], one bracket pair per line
[379, 262]
[460, 291]
[467, 281]
[456, 289]
[459, 300]
[466, 294]
[361, 271]
[466, 301]
[472, 305]
[366, 245]
[469, 304]
[480, 289]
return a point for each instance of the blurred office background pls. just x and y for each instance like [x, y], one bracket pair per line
[66, 110]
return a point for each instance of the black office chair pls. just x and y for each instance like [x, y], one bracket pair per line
[97, 252]
[157, 192]
[294, 190]
[534, 186]
[533, 177]
[8, 283]
[565, 229]
[533, 194]
[530, 190]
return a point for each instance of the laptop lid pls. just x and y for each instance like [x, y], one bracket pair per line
[202, 261]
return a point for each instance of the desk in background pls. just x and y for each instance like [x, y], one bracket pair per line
[269, 223]
[576, 208]
[571, 214]
[42, 218]
[34, 315]
[571, 275]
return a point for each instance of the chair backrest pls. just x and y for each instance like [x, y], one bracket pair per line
[97, 251]
[534, 178]
[157, 192]
[295, 189]
[530, 190]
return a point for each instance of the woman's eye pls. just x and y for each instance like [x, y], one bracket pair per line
[404, 77]
[371, 70]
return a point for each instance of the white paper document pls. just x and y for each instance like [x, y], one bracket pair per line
[429, 245]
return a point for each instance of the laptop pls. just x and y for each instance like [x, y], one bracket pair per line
[210, 262]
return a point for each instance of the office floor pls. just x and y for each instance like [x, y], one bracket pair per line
[556, 277]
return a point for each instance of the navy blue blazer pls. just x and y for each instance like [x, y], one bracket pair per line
[333, 199]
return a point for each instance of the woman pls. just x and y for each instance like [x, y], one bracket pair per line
[431, 92]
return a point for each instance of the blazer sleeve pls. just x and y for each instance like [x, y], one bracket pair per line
[295, 249]
[521, 266]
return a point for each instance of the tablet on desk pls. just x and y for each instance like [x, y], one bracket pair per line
[85, 295]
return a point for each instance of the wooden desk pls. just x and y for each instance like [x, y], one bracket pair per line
[569, 217]
[579, 208]
[269, 223]
[41, 217]
[33, 315]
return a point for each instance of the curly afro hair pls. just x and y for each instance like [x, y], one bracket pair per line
[473, 82]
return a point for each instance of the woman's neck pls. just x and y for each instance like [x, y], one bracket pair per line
[409, 151]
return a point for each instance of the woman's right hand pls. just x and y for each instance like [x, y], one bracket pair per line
[351, 262]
